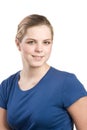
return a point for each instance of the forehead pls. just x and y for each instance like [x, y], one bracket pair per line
[39, 31]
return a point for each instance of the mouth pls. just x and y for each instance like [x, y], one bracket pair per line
[37, 57]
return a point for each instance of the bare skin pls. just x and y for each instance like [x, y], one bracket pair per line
[78, 112]
[3, 121]
[35, 50]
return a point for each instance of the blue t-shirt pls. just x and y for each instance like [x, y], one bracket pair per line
[43, 107]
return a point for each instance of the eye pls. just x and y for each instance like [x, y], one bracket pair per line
[47, 42]
[30, 42]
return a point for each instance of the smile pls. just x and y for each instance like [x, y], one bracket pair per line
[37, 57]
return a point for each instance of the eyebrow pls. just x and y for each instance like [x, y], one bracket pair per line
[36, 39]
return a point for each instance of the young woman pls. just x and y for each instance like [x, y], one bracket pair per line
[40, 97]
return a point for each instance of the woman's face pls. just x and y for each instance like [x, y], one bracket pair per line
[36, 46]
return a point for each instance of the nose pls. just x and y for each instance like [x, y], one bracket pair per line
[39, 47]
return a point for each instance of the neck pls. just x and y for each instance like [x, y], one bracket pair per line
[34, 72]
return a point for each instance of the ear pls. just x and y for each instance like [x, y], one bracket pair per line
[17, 44]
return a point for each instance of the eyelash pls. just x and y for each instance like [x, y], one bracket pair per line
[33, 42]
[46, 42]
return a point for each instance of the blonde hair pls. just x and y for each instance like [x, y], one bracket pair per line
[30, 21]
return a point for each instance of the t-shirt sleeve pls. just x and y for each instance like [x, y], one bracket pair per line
[3, 96]
[72, 90]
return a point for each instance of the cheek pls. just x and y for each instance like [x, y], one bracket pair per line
[26, 49]
[48, 50]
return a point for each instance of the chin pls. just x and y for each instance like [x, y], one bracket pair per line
[37, 65]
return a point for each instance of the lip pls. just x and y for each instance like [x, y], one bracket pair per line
[37, 57]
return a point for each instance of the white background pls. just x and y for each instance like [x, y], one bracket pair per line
[69, 19]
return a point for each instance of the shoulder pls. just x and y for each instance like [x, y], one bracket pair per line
[70, 79]
[6, 87]
[10, 80]
[71, 85]
[62, 74]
